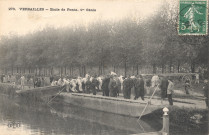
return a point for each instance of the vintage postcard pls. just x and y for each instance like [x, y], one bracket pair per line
[104, 67]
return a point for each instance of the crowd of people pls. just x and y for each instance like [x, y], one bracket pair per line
[110, 85]
[23, 80]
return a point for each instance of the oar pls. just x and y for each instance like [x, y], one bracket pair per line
[56, 95]
[147, 103]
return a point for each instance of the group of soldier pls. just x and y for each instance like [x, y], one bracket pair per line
[24, 80]
[110, 85]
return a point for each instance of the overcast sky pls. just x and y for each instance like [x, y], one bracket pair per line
[22, 22]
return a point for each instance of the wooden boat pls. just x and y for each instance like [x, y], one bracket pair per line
[44, 93]
[114, 105]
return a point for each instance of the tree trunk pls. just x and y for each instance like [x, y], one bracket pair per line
[72, 70]
[178, 66]
[114, 68]
[137, 69]
[133, 70]
[154, 68]
[125, 69]
[84, 70]
[99, 69]
[192, 67]
[17, 69]
[12, 70]
[170, 66]
[52, 71]
[39, 71]
[162, 68]
[102, 67]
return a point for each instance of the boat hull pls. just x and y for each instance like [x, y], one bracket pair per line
[125, 107]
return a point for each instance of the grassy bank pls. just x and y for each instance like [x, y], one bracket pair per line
[183, 121]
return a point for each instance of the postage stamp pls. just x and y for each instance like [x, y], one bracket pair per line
[193, 17]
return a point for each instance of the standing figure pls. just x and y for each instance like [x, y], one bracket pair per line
[38, 84]
[197, 79]
[51, 79]
[88, 85]
[170, 91]
[190, 15]
[187, 86]
[94, 85]
[163, 88]
[113, 87]
[127, 85]
[137, 87]
[205, 89]
[141, 87]
[155, 80]
[22, 82]
[105, 88]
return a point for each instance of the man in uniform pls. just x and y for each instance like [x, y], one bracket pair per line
[170, 91]
[127, 85]
[113, 86]
[163, 87]
[105, 84]
[94, 85]
[88, 85]
[141, 87]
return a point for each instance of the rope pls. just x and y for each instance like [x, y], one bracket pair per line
[149, 102]
[56, 95]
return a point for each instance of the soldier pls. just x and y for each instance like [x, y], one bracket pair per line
[105, 84]
[141, 87]
[88, 85]
[113, 86]
[170, 91]
[187, 86]
[127, 85]
[38, 84]
[51, 78]
[163, 87]
[94, 85]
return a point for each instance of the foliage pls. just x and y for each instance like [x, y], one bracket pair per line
[152, 42]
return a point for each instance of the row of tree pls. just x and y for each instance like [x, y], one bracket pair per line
[103, 44]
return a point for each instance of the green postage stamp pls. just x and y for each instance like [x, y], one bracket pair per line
[193, 17]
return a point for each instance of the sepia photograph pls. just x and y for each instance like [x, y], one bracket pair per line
[104, 67]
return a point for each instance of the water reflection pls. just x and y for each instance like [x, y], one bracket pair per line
[39, 118]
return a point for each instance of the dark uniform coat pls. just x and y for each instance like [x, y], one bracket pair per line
[105, 88]
[88, 86]
[127, 85]
[164, 87]
[139, 88]
[113, 87]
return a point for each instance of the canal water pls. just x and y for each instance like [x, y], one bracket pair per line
[26, 117]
